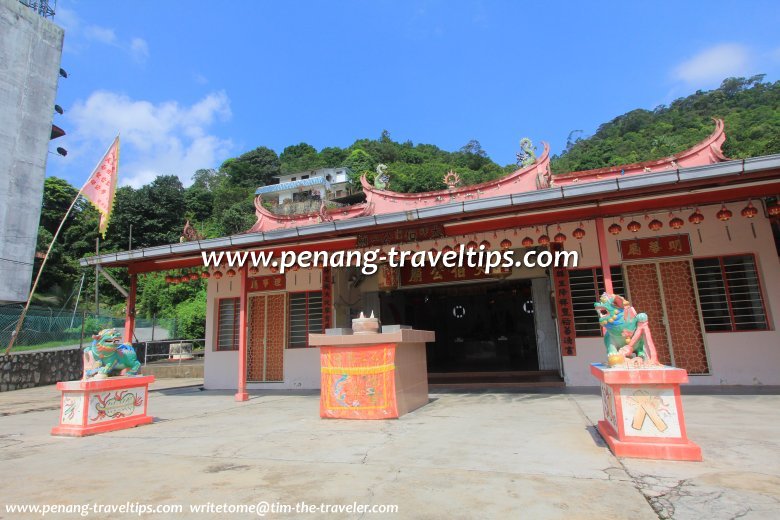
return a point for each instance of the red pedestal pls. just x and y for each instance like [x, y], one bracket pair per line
[93, 406]
[372, 376]
[643, 413]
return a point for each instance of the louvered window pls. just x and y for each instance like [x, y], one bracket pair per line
[227, 324]
[730, 294]
[305, 317]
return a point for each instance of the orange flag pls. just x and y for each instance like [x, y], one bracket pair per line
[101, 186]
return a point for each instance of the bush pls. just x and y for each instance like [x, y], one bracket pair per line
[191, 317]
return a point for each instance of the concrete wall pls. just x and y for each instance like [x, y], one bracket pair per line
[30, 50]
[301, 365]
[735, 358]
[39, 368]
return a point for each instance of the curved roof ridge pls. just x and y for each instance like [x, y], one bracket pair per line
[540, 161]
[711, 143]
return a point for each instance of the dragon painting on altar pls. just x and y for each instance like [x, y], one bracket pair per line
[107, 356]
[626, 333]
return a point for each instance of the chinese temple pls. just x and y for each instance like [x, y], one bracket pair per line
[691, 240]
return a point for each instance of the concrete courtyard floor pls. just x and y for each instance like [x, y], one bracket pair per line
[482, 455]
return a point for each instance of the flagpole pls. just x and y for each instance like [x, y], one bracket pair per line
[19, 324]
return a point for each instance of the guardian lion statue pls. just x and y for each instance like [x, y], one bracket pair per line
[107, 356]
[626, 334]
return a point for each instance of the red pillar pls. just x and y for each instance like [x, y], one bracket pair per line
[130, 310]
[241, 394]
[604, 255]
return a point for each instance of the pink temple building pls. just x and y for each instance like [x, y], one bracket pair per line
[691, 240]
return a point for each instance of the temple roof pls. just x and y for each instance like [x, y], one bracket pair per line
[536, 176]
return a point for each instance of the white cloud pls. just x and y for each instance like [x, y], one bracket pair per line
[156, 138]
[139, 49]
[79, 36]
[100, 34]
[715, 64]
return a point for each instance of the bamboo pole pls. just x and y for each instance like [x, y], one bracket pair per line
[19, 324]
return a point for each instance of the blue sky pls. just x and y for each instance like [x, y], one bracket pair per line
[190, 84]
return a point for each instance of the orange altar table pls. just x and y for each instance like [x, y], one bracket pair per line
[643, 413]
[372, 376]
[95, 406]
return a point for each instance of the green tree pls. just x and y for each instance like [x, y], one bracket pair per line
[253, 169]
[359, 162]
[300, 157]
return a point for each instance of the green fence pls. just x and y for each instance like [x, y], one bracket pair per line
[48, 328]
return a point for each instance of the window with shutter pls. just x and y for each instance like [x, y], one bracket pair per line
[227, 324]
[305, 317]
[730, 293]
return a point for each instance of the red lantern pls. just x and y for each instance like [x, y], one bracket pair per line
[655, 224]
[205, 275]
[749, 211]
[544, 240]
[446, 249]
[506, 244]
[274, 268]
[676, 223]
[773, 209]
[578, 233]
[485, 244]
[615, 229]
[634, 226]
[253, 270]
[194, 276]
[559, 238]
[231, 273]
[217, 275]
[472, 245]
[295, 267]
[168, 279]
[433, 251]
[696, 217]
[527, 242]
[724, 214]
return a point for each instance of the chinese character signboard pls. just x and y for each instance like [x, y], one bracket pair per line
[388, 277]
[565, 311]
[440, 274]
[399, 236]
[655, 247]
[274, 282]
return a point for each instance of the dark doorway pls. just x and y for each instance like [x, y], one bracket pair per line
[486, 327]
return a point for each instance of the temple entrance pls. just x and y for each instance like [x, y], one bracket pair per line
[480, 328]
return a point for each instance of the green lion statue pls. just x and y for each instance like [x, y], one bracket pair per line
[626, 333]
[107, 356]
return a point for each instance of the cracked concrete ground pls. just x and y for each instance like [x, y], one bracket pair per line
[488, 455]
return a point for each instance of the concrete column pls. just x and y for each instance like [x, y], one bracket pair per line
[241, 393]
[604, 255]
[130, 310]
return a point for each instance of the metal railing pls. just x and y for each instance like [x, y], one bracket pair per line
[173, 350]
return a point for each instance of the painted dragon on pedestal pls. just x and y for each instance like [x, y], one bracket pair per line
[626, 334]
[107, 356]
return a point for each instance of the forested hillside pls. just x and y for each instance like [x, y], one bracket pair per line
[749, 107]
[219, 201]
